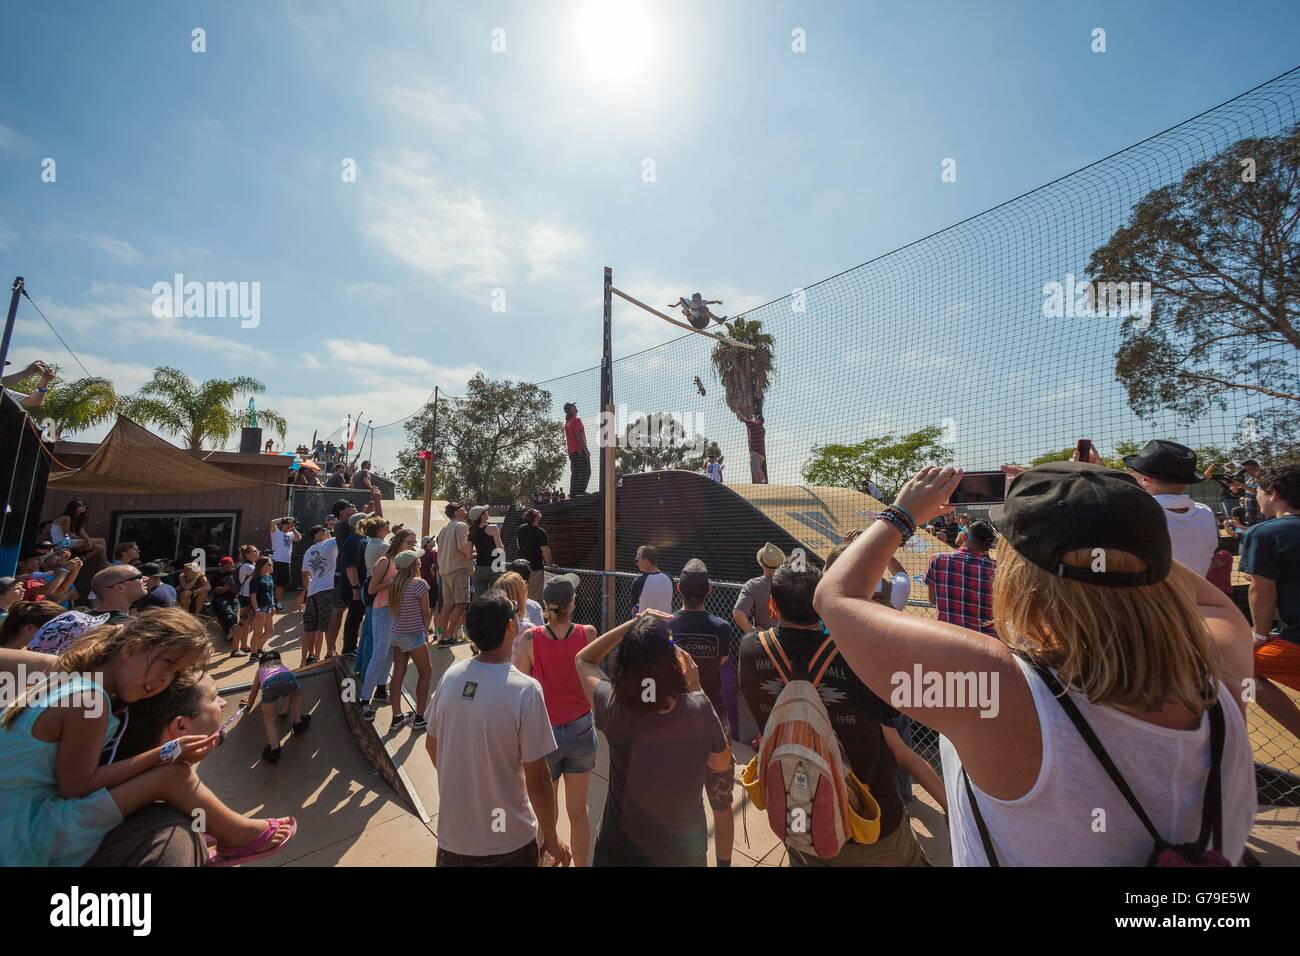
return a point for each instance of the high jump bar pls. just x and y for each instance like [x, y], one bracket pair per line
[689, 328]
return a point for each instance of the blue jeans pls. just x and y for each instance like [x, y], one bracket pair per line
[381, 653]
[366, 645]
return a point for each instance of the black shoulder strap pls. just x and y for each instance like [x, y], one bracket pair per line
[1211, 811]
[980, 825]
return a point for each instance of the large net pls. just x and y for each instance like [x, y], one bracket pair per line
[994, 340]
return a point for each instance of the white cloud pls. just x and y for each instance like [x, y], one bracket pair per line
[1066, 392]
[454, 235]
[546, 247]
[367, 287]
[125, 313]
[433, 106]
[119, 249]
[7, 236]
[8, 138]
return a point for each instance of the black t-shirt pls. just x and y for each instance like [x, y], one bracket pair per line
[353, 556]
[336, 480]
[531, 539]
[484, 544]
[654, 812]
[707, 638]
[855, 711]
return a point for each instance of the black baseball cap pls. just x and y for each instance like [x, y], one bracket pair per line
[315, 530]
[340, 506]
[1065, 505]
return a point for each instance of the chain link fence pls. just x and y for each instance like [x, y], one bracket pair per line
[1277, 757]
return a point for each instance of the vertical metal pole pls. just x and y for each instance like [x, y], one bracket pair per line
[608, 485]
[428, 468]
[9, 321]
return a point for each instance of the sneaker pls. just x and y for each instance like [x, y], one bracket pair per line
[301, 726]
[367, 713]
[419, 723]
[381, 694]
[269, 755]
[399, 720]
[311, 658]
[239, 653]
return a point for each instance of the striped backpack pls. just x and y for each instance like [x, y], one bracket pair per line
[801, 775]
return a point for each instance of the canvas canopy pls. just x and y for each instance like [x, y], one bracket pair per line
[133, 461]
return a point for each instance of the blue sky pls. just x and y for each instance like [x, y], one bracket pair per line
[523, 170]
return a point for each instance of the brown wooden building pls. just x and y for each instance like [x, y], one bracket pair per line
[138, 487]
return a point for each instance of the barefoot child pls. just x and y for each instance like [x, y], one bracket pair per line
[57, 802]
[262, 598]
[282, 695]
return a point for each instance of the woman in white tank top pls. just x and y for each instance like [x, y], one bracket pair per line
[1086, 587]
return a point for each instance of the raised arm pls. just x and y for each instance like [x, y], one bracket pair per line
[885, 648]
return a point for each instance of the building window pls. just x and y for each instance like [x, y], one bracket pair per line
[176, 536]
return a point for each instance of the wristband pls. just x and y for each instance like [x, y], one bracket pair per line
[906, 514]
[42, 389]
[1261, 638]
[170, 752]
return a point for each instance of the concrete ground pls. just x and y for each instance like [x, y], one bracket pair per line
[348, 815]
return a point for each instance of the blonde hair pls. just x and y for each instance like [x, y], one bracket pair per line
[1137, 648]
[157, 631]
[401, 579]
[513, 584]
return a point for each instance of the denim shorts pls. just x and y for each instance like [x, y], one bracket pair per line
[273, 691]
[575, 747]
[408, 642]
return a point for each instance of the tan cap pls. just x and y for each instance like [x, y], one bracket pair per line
[404, 559]
[770, 556]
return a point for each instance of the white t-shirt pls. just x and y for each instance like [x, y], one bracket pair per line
[656, 592]
[245, 577]
[318, 561]
[900, 592]
[1193, 532]
[281, 546]
[714, 470]
[489, 720]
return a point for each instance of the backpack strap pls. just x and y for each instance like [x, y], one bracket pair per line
[1211, 809]
[826, 654]
[980, 825]
[784, 669]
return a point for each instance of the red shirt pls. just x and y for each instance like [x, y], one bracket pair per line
[554, 669]
[575, 436]
[961, 586]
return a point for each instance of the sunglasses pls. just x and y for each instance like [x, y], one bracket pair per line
[135, 577]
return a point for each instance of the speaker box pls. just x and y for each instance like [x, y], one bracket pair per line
[250, 440]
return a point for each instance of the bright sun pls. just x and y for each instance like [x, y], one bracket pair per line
[614, 43]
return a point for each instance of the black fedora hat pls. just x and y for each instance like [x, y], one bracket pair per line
[1166, 460]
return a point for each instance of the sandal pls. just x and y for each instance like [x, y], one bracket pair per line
[259, 847]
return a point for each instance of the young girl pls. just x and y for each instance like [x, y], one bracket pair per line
[57, 802]
[529, 613]
[547, 654]
[408, 604]
[192, 588]
[68, 530]
[381, 654]
[239, 634]
[262, 595]
[282, 694]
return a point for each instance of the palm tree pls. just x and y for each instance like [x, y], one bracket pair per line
[74, 406]
[745, 375]
[78, 405]
[206, 412]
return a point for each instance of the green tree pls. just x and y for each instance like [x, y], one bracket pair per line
[1221, 253]
[74, 406]
[658, 442]
[209, 412]
[498, 443]
[745, 374]
[888, 461]
[1127, 446]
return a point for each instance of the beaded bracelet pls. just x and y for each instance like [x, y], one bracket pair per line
[899, 519]
[907, 514]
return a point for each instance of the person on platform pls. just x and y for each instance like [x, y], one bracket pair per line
[575, 439]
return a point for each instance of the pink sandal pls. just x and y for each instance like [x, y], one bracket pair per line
[260, 847]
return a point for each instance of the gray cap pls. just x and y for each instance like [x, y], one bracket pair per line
[560, 590]
[476, 511]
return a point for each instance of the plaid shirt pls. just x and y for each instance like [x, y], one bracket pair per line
[961, 587]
